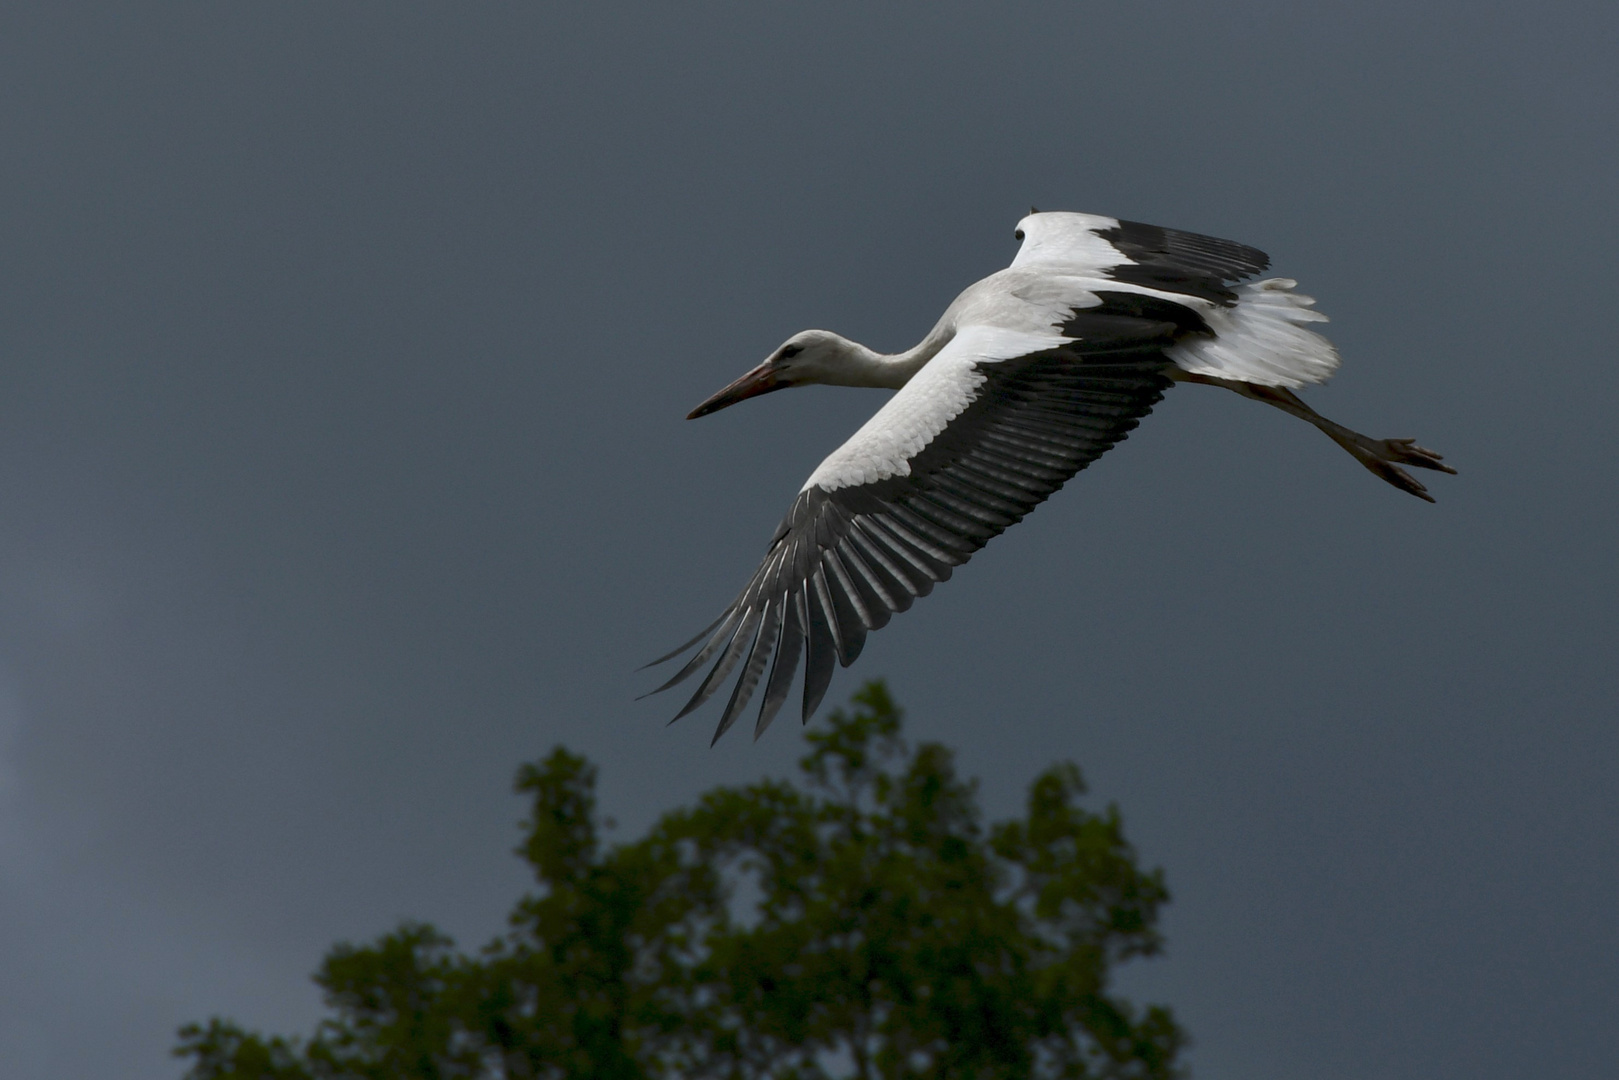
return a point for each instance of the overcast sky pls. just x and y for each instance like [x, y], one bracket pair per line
[344, 355]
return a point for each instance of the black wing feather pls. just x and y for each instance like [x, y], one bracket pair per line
[1183, 262]
[845, 561]
[788, 648]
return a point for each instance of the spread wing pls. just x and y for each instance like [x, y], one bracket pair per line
[1256, 332]
[990, 427]
[1151, 256]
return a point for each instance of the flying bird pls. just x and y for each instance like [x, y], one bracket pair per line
[1029, 376]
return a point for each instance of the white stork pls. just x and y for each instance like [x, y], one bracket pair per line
[1029, 376]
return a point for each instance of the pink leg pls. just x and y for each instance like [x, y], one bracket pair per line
[1382, 456]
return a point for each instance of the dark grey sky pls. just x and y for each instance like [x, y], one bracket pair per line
[345, 352]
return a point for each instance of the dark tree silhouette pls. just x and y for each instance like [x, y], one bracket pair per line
[864, 923]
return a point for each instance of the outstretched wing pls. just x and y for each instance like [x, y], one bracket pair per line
[996, 422]
[1256, 332]
[1147, 255]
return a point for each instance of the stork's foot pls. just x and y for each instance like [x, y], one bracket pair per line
[1385, 456]
[1382, 456]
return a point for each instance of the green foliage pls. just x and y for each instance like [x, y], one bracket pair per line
[861, 925]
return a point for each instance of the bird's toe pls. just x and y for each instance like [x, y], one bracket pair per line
[1393, 474]
[1407, 452]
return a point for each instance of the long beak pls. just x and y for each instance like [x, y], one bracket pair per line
[761, 380]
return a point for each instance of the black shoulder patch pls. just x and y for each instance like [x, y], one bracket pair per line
[1182, 262]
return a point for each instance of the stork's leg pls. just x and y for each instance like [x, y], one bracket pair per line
[1382, 456]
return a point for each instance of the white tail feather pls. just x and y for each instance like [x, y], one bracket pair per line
[1262, 339]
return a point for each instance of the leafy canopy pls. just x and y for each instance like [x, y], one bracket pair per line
[861, 924]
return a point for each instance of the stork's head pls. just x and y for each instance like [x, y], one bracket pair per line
[809, 356]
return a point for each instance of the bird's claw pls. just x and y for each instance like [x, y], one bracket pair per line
[1397, 476]
[1407, 452]
[1385, 456]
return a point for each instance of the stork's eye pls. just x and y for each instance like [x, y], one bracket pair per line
[1017, 234]
[790, 351]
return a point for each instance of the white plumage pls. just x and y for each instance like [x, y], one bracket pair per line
[934, 396]
[1262, 339]
[1028, 376]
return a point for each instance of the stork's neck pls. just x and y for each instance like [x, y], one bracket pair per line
[853, 364]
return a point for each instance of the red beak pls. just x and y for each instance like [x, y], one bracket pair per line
[761, 380]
